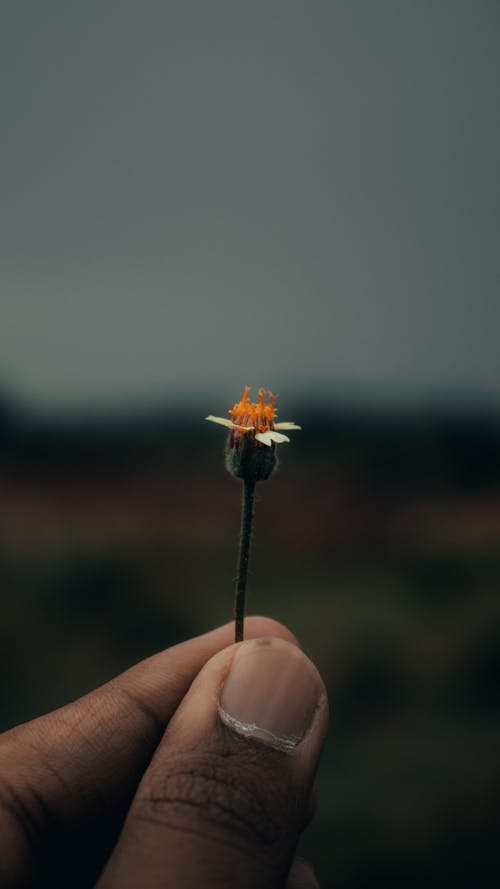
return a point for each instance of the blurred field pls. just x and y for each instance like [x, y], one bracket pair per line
[378, 543]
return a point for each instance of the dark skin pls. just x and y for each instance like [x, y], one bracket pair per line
[98, 794]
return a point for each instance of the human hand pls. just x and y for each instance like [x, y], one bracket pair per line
[219, 799]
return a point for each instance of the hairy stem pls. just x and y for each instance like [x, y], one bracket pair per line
[247, 508]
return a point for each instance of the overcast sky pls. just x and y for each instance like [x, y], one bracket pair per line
[197, 195]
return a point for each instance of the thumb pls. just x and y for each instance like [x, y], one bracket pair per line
[225, 797]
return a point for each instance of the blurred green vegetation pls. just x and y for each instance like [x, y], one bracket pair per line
[377, 543]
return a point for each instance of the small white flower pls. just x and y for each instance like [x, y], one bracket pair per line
[256, 419]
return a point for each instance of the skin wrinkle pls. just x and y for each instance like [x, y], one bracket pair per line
[83, 803]
[106, 717]
[228, 842]
[18, 857]
[38, 813]
[16, 805]
[150, 684]
[55, 773]
[227, 785]
[64, 732]
[45, 762]
[156, 725]
[47, 813]
[216, 812]
[109, 731]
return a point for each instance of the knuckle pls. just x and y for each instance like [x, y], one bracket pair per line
[222, 795]
[20, 808]
[20, 828]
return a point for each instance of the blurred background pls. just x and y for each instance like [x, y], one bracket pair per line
[198, 196]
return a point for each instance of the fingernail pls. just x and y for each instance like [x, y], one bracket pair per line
[271, 693]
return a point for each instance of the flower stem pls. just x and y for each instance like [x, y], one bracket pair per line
[247, 508]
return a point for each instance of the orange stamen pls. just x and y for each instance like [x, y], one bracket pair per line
[257, 414]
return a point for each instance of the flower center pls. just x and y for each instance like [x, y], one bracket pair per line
[259, 414]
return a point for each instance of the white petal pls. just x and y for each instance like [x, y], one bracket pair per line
[264, 438]
[278, 437]
[229, 423]
[221, 420]
[267, 438]
[286, 426]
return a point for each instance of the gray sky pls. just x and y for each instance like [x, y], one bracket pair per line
[196, 195]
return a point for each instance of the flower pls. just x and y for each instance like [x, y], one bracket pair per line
[250, 456]
[255, 420]
[251, 426]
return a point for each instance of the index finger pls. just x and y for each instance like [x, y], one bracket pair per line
[66, 779]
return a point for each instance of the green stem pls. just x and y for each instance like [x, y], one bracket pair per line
[247, 508]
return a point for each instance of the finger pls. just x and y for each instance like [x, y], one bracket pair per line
[224, 799]
[66, 779]
[301, 876]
